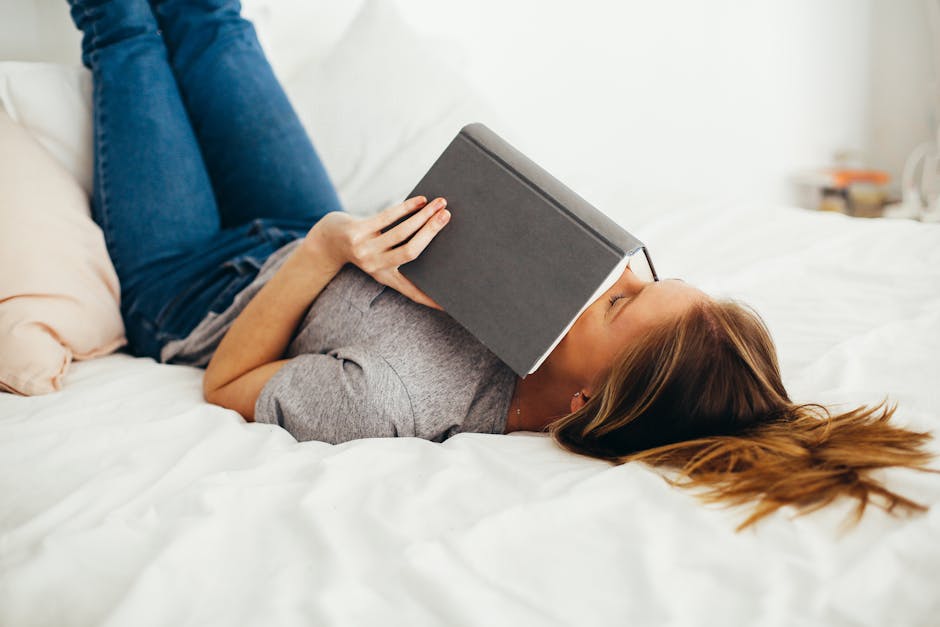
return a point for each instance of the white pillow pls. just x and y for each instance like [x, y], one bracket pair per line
[53, 102]
[296, 33]
[382, 107]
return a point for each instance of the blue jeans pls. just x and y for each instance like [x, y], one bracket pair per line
[201, 167]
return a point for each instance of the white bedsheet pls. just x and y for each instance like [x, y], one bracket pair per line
[126, 500]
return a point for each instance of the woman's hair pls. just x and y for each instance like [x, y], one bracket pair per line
[702, 393]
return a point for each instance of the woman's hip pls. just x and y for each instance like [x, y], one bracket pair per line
[167, 299]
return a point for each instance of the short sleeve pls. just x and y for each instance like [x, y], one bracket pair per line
[334, 397]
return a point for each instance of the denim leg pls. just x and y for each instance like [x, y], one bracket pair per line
[260, 159]
[152, 196]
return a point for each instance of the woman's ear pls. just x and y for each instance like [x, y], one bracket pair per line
[579, 400]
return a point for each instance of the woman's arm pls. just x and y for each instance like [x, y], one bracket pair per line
[251, 350]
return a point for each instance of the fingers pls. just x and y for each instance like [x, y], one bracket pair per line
[409, 289]
[406, 229]
[381, 254]
[419, 241]
[389, 216]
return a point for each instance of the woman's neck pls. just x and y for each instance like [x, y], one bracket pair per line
[541, 397]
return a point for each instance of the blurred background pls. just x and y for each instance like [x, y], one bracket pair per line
[665, 102]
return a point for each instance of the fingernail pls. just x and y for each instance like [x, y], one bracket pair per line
[445, 215]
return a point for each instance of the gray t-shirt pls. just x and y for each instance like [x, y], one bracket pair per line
[367, 361]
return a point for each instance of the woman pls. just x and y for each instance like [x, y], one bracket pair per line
[234, 253]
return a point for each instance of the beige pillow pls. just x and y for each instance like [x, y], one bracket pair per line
[59, 294]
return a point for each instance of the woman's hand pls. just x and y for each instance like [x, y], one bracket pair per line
[360, 241]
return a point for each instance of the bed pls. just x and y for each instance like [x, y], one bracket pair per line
[130, 501]
[125, 499]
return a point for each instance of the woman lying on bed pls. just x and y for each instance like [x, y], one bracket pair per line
[233, 251]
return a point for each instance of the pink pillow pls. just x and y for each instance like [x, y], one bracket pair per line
[59, 294]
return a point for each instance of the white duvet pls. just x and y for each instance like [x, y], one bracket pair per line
[127, 500]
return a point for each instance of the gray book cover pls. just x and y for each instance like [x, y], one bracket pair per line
[522, 255]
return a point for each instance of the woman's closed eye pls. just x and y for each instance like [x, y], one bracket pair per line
[614, 298]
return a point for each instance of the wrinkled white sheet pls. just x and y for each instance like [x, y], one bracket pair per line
[126, 500]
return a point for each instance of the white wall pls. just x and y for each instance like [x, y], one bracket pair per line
[673, 99]
[904, 96]
[38, 30]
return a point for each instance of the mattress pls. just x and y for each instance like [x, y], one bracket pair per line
[127, 500]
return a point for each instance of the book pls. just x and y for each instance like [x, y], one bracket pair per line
[522, 255]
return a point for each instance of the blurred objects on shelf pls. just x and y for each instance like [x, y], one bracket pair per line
[855, 191]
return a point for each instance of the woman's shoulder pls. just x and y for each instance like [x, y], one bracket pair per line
[342, 394]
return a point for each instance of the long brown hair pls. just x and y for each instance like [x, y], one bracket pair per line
[702, 393]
